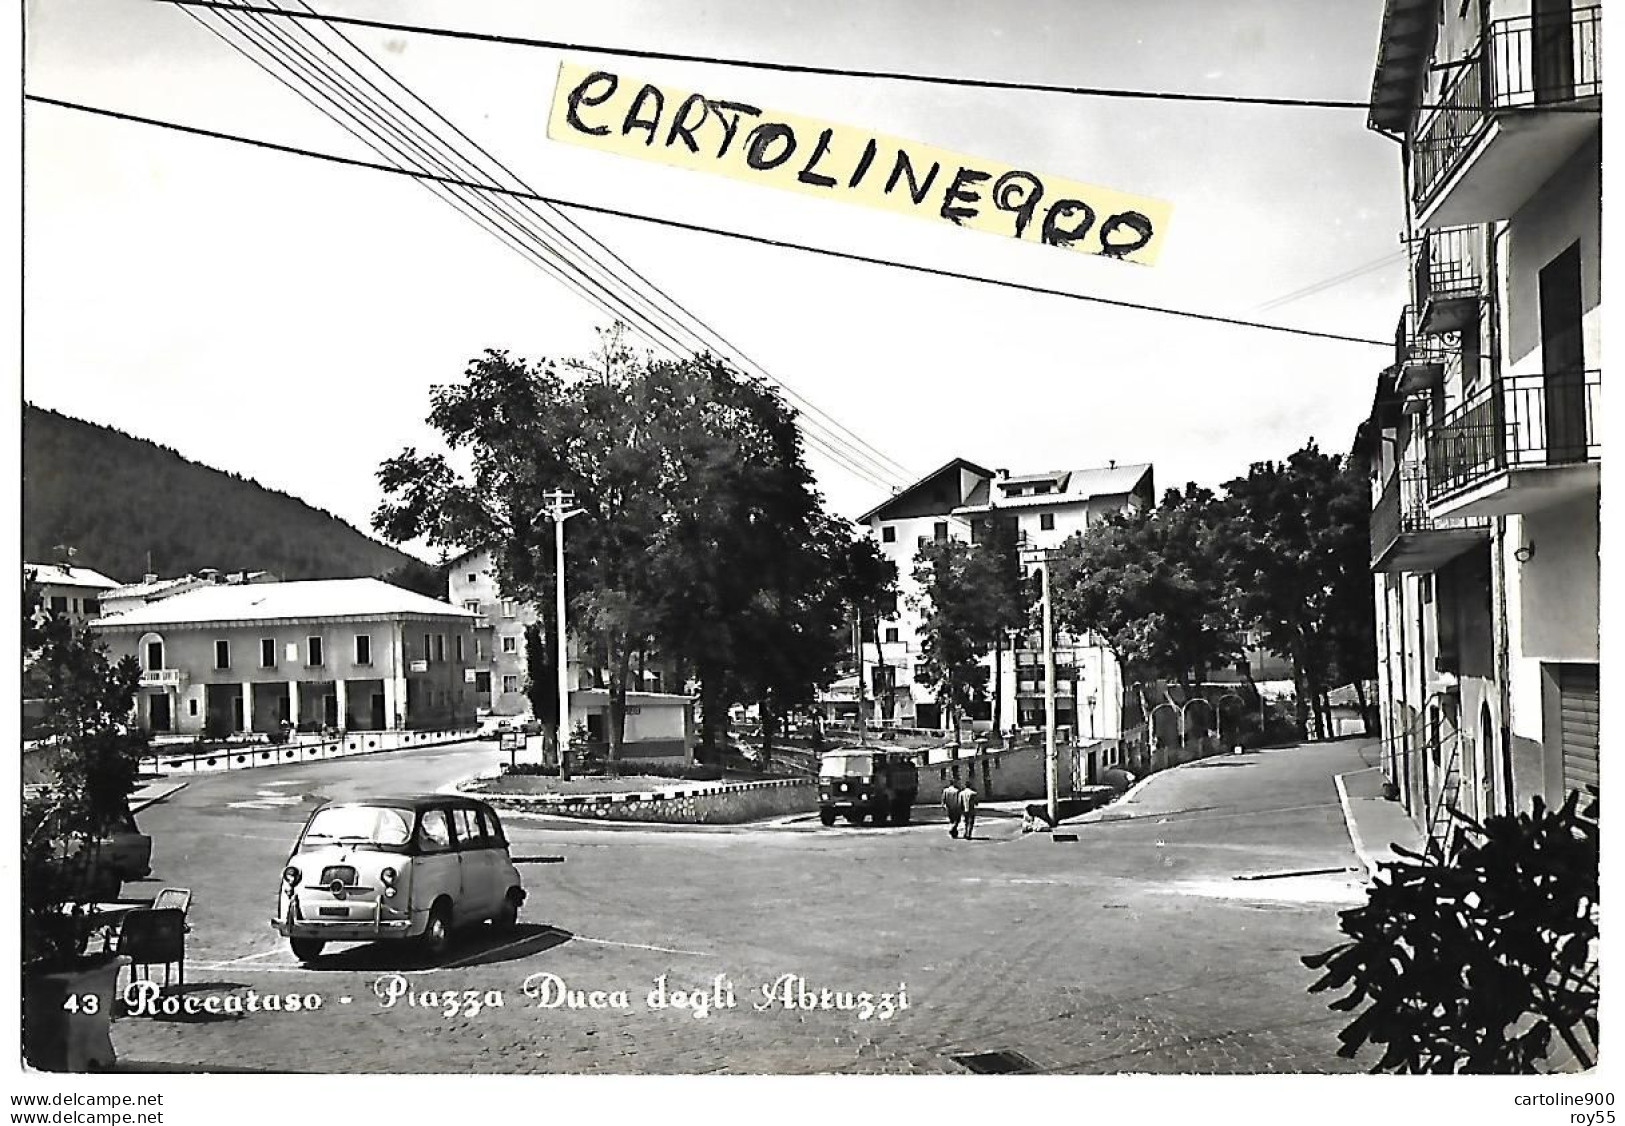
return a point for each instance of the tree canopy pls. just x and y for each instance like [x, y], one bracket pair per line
[700, 535]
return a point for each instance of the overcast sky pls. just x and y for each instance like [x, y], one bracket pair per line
[285, 319]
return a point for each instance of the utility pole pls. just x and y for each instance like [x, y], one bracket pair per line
[557, 501]
[863, 726]
[1051, 764]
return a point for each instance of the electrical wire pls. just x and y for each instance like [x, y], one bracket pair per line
[802, 68]
[504, 223]
[726, 344]
[699, 228]
[1390, 259]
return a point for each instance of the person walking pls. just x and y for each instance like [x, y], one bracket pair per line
[967, 808]
[952, 803]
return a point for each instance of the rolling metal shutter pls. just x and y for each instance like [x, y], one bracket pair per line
[1579, 714]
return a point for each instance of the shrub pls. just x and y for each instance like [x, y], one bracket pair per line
[1479, 963]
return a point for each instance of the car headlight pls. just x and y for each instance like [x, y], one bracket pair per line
[290, 876]
[388, 878]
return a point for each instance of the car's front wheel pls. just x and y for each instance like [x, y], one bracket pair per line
[307, 949]
[827, 816]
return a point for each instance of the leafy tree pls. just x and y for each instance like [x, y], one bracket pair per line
[958, 622]
[1482, 964]
[1350, 626]
[86, 727]
[1011, 595]
[1152, 586]
[505, 419]
[868, 586]
[427, 579]
[1285, 544]
[541, 675]
[700, 529]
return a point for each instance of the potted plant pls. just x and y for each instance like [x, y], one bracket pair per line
[68, 988]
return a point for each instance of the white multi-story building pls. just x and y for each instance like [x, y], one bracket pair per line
[1483, 440]
[657, 717]
[500, 624]
[69, 591]
[952, 503]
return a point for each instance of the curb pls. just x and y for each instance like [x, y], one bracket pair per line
[1367, 861]
[585, 803]
[163, 793]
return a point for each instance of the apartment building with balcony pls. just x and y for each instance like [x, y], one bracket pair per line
[339, 654]
[1483, 438]
[956, 502]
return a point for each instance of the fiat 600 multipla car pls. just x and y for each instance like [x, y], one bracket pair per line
[396, 868]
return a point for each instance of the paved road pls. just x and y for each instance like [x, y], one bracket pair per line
[1131, 948]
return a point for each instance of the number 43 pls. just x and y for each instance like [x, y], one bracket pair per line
[82, 1003]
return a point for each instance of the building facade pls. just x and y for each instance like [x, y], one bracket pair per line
[1483, 439]
[956, 502]
[333, 654]
[658, 718]
[501, 671]
[69, 591]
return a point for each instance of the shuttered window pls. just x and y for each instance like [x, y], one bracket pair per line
[1578, 718]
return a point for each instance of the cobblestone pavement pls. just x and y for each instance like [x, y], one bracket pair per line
[1129, 949]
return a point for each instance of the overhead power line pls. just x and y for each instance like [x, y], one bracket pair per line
[1392, 258]
[804, 68]
[698, 228]
[374, 117]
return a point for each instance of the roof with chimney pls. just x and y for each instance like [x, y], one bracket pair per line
[65, 574]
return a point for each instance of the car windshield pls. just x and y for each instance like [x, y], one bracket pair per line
[380, 826]
[846, 766]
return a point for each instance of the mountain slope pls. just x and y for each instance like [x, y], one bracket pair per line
[116, 498]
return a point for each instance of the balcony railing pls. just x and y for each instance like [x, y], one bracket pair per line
[1522, 62]
[1402, 510]
[1447, 277]
[160, 678]
[1519, 422]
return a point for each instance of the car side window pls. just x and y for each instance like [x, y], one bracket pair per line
[434, 831]
[470, 833]
[493, 828]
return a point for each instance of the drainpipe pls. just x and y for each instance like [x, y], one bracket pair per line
[1498, 567]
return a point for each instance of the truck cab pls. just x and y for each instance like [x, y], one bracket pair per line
[859, 782]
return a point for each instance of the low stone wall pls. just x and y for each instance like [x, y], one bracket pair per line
[184, 758]
[715, 805]
[1004, 775]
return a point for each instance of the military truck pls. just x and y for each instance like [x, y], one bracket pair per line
[859, 782]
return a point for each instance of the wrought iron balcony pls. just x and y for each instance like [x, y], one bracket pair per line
[1520, 66]
[1447, 277]
[1421, 361]
[161, 678]
[1405, 537]
[1520, 425]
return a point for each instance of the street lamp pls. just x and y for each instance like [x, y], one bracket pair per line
[558, 500]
